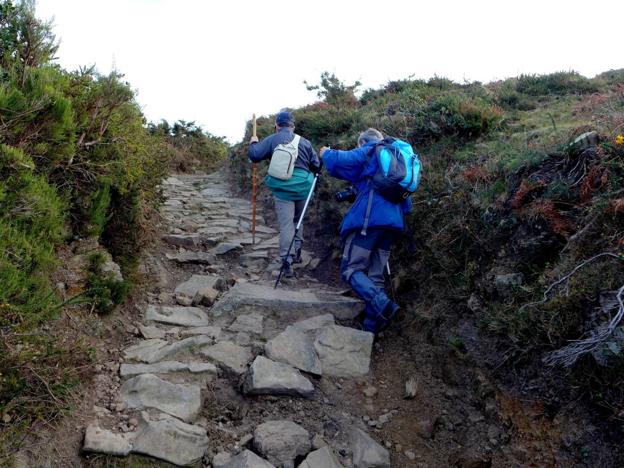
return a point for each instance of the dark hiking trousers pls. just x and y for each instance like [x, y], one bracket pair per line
[364, 258]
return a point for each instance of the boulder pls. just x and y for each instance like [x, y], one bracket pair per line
[366, 452]
[315, 323]
[293, 347]
[267, 377]
[148, 391]
[344, 352]
[282, 441]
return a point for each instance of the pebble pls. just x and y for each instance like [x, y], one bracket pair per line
[409, 454]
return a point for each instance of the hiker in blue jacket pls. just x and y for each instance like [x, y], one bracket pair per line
[289, 195]
[367, 242]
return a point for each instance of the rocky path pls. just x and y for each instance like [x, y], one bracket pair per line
[229, 372]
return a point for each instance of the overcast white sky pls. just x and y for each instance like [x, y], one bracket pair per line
[217, 62]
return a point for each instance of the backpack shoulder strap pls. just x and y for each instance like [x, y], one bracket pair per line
[295, 141]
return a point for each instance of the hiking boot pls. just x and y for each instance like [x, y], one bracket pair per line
[297, 258]
[289, 271]
[386, 316]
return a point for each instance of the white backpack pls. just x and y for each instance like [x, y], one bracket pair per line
[283, 160]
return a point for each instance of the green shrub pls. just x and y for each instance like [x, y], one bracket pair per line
[103, 291]
[559, 83]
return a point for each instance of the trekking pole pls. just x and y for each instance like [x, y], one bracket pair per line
[254, 177]
[292, 242]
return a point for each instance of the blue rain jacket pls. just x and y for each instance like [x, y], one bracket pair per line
[357, 166]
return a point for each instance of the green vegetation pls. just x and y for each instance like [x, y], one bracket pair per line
[502, 193]
[77, 160]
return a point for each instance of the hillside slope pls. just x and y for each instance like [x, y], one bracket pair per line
[518, 224]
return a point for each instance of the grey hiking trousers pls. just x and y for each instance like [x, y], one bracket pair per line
[288, 213]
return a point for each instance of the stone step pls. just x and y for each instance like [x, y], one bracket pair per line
[203, 258]
[162, 436]
[267, 377]
[168, 367]
[177, 315]
[229, 356]
[149, 391]
[155, 350]
[291, 305]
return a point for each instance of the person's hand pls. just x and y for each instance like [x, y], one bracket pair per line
[253, 139]
[322, 151]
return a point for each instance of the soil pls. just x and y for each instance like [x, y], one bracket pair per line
[461, 415]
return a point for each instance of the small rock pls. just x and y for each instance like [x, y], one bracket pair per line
[409, 454]
[247, 459]
[366, 452]
[370, 391]
[323, 457]
[104, 441]
[281, 441]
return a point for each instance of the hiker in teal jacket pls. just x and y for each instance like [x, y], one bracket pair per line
[289, 195]
[367, 240]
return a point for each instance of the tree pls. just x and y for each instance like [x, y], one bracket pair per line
[334, 91]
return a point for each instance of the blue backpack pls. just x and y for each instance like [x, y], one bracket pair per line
[397, 174]
[398, 170]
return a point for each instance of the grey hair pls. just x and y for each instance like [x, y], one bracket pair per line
[370, 134]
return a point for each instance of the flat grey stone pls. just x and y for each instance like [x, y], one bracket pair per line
[297, 304]
[314, 323]
[281, 441]
[344, 352]
[211, 331]
[366, 452]
[184, 240]
[247, 459]
[167, 367]
[229, 356]
[151, 351]
[184, 316]
[294, 347]
[321, 458]
[267, 377]
[221, 459]
[199, 288]
[104, 441]
[203, 258]
[257, 255]
[148, 391]
[151, 331]
[225, 247]
[250, 323]
[171, 440]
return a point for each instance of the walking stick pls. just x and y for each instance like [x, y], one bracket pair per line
[254, 177]
[305, 207]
